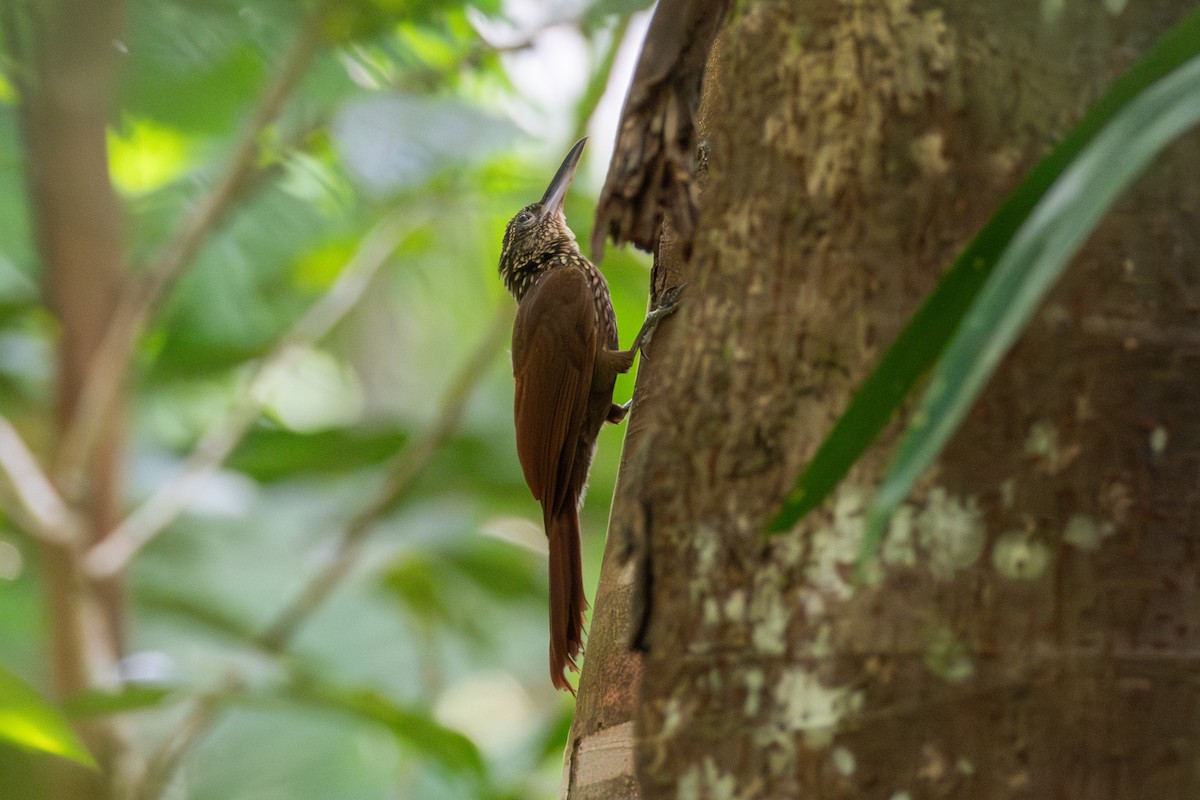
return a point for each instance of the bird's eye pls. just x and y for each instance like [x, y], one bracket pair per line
[524, 217]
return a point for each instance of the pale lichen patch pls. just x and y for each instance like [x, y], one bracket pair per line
[1086, 532]
[928, 153]
[1040, 440]
[712, 612]
[1002, 163]
[947, 529]
[754, 684]
[767, 612]
[706, 782]
[769, 615]
[1008, 492]
[732, 239]
[1015, 555]
[673, 717]
[843, 761]
[706, 542]
[808, 707]
[1042, 443]
[834, 549]
[821, 645]
[947, 657]
[880, 58]
[951, 532]
[899, 547]
[735, 606]
[1158, 440]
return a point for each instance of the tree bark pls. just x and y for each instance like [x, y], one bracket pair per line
[1031, 630]
[599, 759]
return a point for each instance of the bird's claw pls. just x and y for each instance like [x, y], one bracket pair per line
[668, 301]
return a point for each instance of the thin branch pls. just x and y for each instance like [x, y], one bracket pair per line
[403, 474]
[176, 256]
[113, 553]
[53, 520]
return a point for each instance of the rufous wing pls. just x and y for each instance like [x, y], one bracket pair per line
[554, 354]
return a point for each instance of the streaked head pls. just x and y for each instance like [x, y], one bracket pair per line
[539, 231]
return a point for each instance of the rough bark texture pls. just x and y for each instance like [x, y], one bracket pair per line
[599, 760]
[650, 177]
[1032, 632]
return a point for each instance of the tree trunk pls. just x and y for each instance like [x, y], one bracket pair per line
[1032, 630]
[599, 761]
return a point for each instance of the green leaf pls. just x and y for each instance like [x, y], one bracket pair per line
[411, 580]
[191, 67]
[925, 337]
[132, 697]
[358, 19]
[30, 722]
[1031, 264]
[413, 728]
[273, 454]
[508, 572]
[237, 298]
[449, 586]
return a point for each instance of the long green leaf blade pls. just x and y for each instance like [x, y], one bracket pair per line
[30, 722]
[925, 337]
[1031, 264]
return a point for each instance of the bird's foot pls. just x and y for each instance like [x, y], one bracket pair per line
[669, 299]
[667, 303]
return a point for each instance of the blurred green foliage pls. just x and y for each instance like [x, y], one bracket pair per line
[424, 675]
[28, 721]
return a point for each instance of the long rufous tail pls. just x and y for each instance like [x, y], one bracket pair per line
[567, 601]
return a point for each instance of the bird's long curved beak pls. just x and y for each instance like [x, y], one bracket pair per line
[556, 193]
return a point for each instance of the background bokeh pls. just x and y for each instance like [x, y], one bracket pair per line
[427, 121]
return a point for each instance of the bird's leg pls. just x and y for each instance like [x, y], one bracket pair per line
[667, 305]
[669, 302]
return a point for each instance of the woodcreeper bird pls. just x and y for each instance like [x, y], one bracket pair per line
[565, 362]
